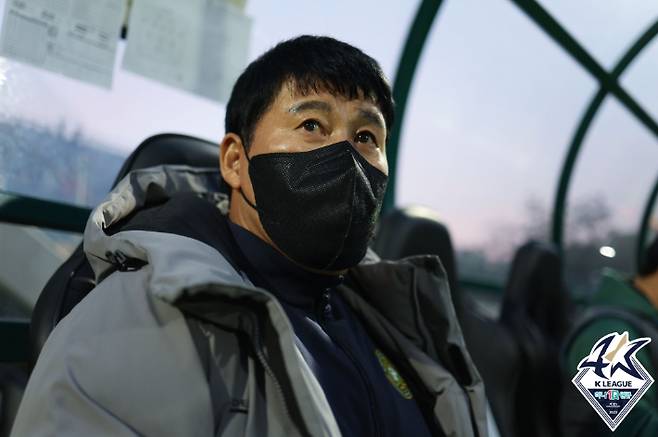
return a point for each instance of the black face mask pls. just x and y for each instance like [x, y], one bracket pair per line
[319, 207]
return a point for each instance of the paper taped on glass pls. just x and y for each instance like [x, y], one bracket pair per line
[77, 38]
[199, 46]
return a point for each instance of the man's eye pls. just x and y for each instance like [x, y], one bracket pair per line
[311, 125]
[365, 137]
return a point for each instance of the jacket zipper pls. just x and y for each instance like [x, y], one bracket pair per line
[260, 356]
[279, 388]
[286, 401]
[326, 309]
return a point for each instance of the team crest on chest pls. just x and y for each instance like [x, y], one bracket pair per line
[393, 375]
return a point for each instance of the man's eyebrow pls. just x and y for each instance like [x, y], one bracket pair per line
[372, 117]
[318, 105]
[310, 105]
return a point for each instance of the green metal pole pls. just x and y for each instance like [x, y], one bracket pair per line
[413, 47]
[554, 30]
[644, 225]
[559, 207]
[31, 211]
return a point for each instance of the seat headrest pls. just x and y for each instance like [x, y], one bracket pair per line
[649, 261]
[535, 288]
[175, 149]
[416, 231]
[537, 267]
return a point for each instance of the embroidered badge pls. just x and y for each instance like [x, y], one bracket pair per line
[611, 378]
[393, 376]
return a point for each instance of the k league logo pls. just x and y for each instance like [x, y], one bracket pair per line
[611, 378]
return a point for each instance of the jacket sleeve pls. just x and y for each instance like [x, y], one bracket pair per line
[122, 363]
[55, 403]
[642, 421]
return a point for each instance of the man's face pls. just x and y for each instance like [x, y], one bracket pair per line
[299, 123]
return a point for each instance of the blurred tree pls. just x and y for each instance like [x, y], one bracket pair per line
[589, 219]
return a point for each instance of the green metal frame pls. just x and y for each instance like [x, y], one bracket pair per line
[644, 225]
[406, 71]
[553, 29]
[418, 32]
[608, 85]
[484, 287]
[24, 210]
[559, 208]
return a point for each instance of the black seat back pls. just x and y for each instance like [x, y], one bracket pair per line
[492, 347]
[536, 291]
[13, 379]
[536, 308]
[416, 231]
[75, 278]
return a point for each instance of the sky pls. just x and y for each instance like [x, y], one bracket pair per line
[491, 111]
[494, 106]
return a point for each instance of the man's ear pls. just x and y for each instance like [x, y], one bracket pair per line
[230, 154]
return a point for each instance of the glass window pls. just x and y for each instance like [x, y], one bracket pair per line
[22, 281]
[492, 109]
[605, 29]
[65, 140]
[614, 175]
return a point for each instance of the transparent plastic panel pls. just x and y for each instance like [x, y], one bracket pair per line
[65, 140]
[29, 258]
[614, 175]
[492, 110]
[604, 28]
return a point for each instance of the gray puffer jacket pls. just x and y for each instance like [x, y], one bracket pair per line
[176, 341]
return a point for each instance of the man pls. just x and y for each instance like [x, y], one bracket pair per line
[271, 320]
[635, 304]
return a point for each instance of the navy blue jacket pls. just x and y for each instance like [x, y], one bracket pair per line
[367, 395]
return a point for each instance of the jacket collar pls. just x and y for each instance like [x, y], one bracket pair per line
[135, 192]
[288, 281]
[181, 259]
[133, 223]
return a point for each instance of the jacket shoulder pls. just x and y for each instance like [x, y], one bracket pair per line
[121, 356]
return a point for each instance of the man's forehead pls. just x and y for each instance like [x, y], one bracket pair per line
[294, 101]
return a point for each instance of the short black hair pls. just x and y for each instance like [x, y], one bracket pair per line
[309, 64]
[649, 262]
